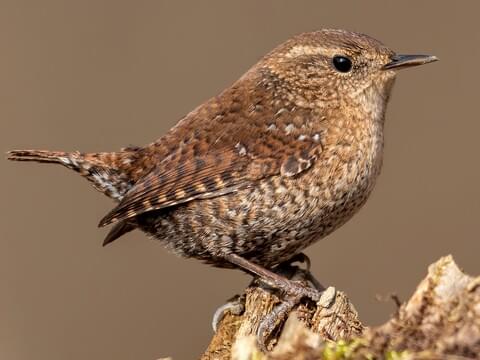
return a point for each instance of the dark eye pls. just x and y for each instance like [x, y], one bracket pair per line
[342, 63]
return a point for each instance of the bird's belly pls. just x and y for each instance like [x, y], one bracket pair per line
[309, 212]
[268, 223]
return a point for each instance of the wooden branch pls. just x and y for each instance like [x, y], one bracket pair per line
[440, 321]
[333, 317]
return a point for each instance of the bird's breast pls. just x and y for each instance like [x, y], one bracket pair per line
[351, 157]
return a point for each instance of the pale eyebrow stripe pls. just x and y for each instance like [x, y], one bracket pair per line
[301, 50]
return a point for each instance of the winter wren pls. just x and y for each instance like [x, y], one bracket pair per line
[256, 174]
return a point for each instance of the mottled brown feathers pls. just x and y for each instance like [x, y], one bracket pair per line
[278, 160]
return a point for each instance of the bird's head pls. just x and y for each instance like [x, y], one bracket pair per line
[336, 66]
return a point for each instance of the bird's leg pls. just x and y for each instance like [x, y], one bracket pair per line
[236, 305]
[291, 288]
[292, 272]
[290, 280]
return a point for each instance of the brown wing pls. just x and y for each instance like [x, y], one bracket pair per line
[205, 176]
[218, 172]
[119, 229]
[228, 143]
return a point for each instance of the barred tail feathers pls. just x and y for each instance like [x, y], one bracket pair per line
[103, 170]
[42, 156]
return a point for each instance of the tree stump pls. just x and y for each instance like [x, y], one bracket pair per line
[440, 321]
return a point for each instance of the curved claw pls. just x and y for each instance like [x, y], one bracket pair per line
[235, 307]
[275, 317]
[294, 292]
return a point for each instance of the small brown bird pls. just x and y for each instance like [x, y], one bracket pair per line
[253, 176]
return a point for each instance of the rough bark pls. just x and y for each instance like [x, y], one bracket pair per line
[440, 321]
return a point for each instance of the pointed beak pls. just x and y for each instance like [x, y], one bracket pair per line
[404, 61]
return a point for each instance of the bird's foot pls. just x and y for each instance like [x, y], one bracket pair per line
[292, 272]
[293, 284]
[272, 320]
[235, 306]
[280, 312]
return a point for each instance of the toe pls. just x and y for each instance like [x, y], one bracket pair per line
[270, 322]
[235, 307]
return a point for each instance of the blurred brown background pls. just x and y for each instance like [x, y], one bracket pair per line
[98, 75]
